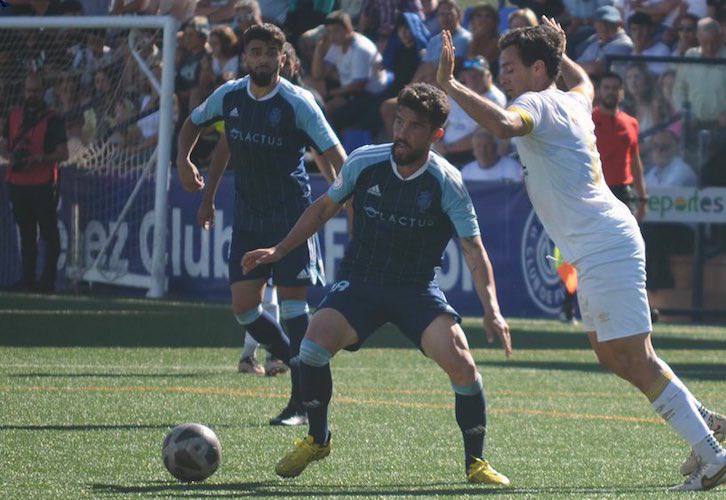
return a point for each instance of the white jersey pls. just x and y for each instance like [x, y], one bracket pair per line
[564, 179]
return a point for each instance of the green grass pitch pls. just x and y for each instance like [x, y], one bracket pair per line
[89, 388]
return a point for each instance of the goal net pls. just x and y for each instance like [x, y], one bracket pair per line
[110, 79]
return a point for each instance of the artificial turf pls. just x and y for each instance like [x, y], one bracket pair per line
[89, 387]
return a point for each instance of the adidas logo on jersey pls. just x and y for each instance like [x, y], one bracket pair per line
[234, 113]
[375, 190]
[304, 274]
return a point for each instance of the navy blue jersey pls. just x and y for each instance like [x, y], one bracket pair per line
[267, 138]
[401, 226]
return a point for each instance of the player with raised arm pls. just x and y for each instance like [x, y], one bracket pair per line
[407, 204]
[554, 135]
[268, 122]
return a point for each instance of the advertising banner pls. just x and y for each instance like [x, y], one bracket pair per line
[198, 259]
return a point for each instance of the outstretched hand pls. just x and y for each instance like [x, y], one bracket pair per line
[496, 326]
[259, 257]
[445, 73]
[556, 26]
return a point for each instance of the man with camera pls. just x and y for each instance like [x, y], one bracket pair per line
[35, 142]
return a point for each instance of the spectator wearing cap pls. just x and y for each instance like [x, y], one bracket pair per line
[484, 27]
[194, 68]
[456, 145]
[642, 32]
[704, 85]
[449, 15]
[358, 65]
[488, 165]
[609, 39]
[687, 26]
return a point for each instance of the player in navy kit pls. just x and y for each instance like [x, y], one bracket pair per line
[407, 203]
[268, 123]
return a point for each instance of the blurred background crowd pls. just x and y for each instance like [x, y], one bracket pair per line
[355, 56]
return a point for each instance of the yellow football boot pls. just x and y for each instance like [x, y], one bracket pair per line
[306, 451]
[481, 472]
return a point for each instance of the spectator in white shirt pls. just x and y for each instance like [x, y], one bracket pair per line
[642, 31]
[456, 144]
[225, 63]
[668, 168]
[665, 239]
[488, 165]
[359, 69]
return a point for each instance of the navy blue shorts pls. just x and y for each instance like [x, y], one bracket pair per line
[412, 308]
[301, 267]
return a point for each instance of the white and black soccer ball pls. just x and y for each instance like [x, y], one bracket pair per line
[191, 452]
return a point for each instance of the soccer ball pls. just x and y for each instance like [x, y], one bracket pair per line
[191, 452]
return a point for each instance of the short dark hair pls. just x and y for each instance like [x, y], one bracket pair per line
[612, 76]
[641, 19]
[427, 100]
[268, 33]
[340, 18]
[227, 39]
[536, 43]
[485, 9]
[452, 3]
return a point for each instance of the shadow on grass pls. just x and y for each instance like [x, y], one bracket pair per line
[114, 427]
[692, 371]
[278, 489]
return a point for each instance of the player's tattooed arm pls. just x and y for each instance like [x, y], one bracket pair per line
[477, 260]
[309, 223]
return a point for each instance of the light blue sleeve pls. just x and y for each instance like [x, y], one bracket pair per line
[344, 184]
[456, 204]
[210, 110]
[310, 119]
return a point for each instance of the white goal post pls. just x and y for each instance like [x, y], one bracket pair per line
[156, 162]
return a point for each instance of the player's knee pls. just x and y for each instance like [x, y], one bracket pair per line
[463, 372]
[313, 354]
[468, 388]
[248, 316]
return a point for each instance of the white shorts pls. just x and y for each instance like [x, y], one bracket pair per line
[612, 298]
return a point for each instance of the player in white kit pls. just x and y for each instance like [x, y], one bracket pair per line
[554, 135]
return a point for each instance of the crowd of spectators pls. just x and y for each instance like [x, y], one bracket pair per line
[355, 55]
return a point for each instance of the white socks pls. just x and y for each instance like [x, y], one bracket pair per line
[676, 405]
